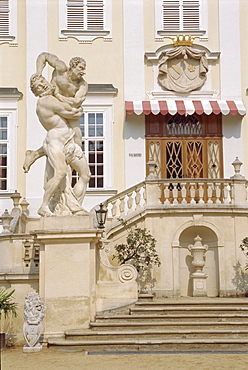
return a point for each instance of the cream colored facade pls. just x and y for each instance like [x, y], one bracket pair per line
[122, 65]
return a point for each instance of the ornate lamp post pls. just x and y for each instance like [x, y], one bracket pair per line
[101, 215]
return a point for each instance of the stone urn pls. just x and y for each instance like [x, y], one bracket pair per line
[198, 251]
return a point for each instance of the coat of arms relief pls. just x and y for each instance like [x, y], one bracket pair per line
[182, 69]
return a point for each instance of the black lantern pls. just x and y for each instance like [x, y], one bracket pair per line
[101, 215]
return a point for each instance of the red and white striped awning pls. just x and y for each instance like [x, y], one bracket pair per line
[186, 107]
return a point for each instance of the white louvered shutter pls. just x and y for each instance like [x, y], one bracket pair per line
[85, 15]
[4, 17]
[171, 15]
[181, 15]
[191, 15]
[75, 14]
[95, 14]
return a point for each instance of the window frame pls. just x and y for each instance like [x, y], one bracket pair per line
[11, 37]
[203, 20]
[85, 36]
[99, 99]
[86, 138]
[8, 108]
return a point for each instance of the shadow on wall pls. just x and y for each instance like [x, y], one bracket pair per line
[240, 280]
[188, 261]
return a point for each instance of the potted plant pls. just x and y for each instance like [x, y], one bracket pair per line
[7, 307]
[140, 251]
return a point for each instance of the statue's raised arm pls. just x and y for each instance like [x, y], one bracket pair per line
[52, 60]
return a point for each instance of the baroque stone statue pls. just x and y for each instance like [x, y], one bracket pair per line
[182, 69]
[59, 109]
[33, 316]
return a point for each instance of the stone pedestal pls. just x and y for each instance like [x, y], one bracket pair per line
[36, 348]
[67, 271]
[199, 284]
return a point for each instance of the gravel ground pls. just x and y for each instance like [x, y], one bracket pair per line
[15, 359]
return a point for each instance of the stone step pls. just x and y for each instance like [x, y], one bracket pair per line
[193, 317]
[195, 302]
[121, 325]
[155, 334]
[172, 344]
[192, 310]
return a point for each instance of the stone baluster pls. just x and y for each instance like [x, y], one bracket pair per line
[114, 208]
[201, 192]
[217, 193]
[192, 193]
[225, 193]
[138, 197]
[209, 192]
[183, 192]
[144, 195]
[167, 194]
[175, 193]
[130, 201]
[231, 193]
[122, 205]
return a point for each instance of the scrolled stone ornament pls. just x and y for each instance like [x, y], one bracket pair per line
[33, 316]
[127, 273]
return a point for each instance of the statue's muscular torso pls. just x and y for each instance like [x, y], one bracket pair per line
[66, 86]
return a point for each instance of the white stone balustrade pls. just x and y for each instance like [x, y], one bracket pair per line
[169, 193]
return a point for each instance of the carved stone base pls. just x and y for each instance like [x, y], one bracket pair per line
[199, 284]
[67, 271]
[36, 348]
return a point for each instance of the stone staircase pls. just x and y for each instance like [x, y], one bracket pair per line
[166, 324]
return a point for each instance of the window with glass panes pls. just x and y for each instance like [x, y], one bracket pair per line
[3, 153]
[92, 128]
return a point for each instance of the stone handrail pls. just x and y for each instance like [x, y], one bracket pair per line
[168, 193]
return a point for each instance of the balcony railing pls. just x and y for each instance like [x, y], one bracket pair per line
[169, 193]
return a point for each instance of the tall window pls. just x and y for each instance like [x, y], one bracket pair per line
[8, 21]
[4, 148]
[93, 145]
[85, 19]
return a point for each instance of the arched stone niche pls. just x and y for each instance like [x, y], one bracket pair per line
[211, 267]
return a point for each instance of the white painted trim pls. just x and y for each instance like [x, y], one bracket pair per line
[12, 37]
[96, 103]
[36, 42]
[9, 109]
[229, 39]
[133, 50]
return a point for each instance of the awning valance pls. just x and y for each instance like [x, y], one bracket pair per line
[186, 107]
